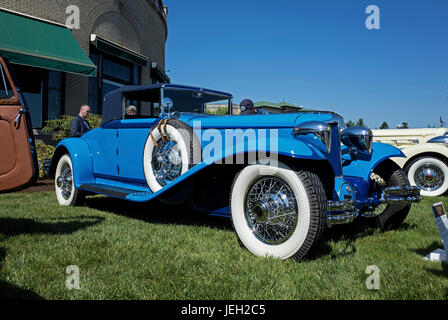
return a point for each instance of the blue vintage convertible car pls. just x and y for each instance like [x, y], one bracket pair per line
[282, 178]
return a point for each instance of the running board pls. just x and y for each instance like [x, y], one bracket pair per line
[116, 192]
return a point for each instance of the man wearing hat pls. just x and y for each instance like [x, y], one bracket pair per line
[247, 107]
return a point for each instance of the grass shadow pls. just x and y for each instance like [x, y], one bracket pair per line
[9, 291]
[424, 251]
[427, 250]
[347, 234]
[156, 212]
[12, 227]
[159, 213]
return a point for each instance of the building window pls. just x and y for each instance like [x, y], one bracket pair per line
[113, 73]
[43, 92]
[55, 95]
[31, 83]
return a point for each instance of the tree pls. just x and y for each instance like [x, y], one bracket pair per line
[384, 125]
[350, 123]
[360, 123]
[403, 125]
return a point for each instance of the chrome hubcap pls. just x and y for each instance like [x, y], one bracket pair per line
[65, 182]
[429, 177]
[166, 162]
[271, 210]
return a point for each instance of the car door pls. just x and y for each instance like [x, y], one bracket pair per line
[18, 161]
[132, 135]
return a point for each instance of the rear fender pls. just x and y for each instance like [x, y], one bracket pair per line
[81, 158]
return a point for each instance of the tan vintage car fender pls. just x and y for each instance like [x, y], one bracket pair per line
[426, 163]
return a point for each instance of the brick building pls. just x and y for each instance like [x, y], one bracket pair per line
[123, 42]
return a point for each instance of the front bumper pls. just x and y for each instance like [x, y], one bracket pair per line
[345, 211]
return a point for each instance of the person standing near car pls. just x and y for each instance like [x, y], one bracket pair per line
[247, 107]
[79, 124]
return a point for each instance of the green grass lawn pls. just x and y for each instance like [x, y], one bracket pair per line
[132, 251]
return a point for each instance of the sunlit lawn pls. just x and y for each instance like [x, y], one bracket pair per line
[130, 251]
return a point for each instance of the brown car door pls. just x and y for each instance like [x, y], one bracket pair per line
[17, 151]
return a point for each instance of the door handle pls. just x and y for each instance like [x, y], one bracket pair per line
[17, 121]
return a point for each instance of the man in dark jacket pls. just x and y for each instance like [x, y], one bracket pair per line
[79, 124]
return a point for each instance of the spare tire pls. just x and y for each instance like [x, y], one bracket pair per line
[171, 149]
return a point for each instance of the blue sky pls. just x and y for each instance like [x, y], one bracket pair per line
[317, 53]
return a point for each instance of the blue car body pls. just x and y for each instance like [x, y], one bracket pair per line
[109, 160]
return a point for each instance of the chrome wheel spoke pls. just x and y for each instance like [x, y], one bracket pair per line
[65, 182]
[271, 210]
[166, 162]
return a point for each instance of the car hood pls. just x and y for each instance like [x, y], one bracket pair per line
[403, 136]
[286, 120]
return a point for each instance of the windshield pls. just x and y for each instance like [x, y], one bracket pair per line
[198, 101]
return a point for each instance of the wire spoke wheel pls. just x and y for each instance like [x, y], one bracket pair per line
[65, 182]
[171, 149]
[166, 162]
[279, 211]
[271, 210]
[66, 191]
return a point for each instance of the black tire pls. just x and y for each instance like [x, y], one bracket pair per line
[393, 214]
[311, 211]
[187, 144]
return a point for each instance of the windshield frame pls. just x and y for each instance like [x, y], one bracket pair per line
[202, 92]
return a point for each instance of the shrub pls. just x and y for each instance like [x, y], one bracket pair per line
[60, 128]
[220, 111]
[44, 153]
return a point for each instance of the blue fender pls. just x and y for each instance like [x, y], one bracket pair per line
[215, 151]
[81, 159]
[298, 149]
[363, 166]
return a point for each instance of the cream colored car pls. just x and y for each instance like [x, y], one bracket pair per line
[426, 162]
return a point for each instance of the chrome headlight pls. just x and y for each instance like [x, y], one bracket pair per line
[439, 139]
[319, 129]
[358, 137]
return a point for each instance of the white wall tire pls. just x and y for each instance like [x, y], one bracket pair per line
[430, 174]
[306, 223]
[183, 152]
[66, 192]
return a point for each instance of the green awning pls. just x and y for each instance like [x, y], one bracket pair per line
[32, 42]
